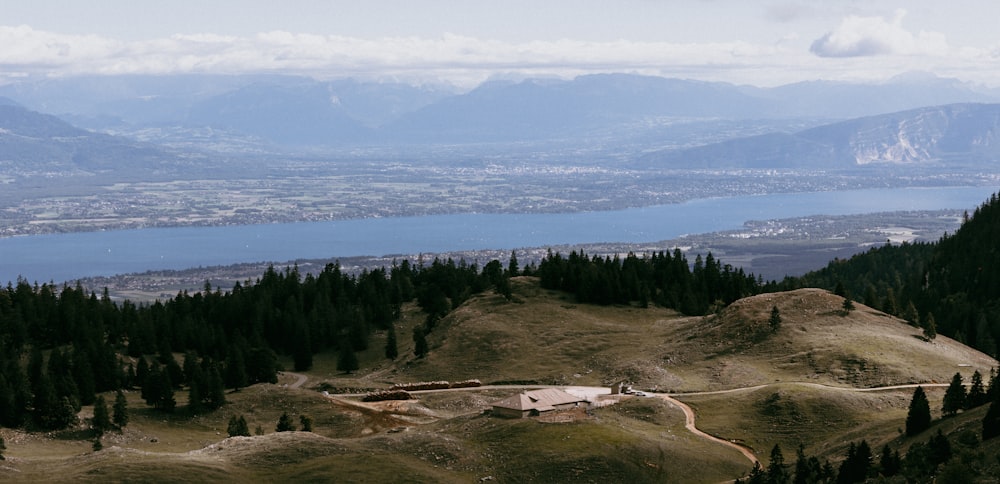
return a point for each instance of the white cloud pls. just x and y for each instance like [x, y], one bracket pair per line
[872, 36]
[30, 51]
[467, 60]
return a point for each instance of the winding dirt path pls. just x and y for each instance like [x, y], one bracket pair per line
[689, 424]
[689, 415]
[300, 379]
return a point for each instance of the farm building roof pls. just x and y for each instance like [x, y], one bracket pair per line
[541, 400]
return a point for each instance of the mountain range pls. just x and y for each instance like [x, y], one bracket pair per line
[954, 134]
[295, 111]
[36, 144]
[656, 123]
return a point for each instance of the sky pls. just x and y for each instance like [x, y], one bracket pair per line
[757, 42]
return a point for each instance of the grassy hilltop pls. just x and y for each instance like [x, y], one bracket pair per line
[790, 386]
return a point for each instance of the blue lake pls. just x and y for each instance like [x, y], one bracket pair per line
[69, 256]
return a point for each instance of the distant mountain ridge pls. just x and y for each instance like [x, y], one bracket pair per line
[296, 111]
[956, 134]
[33, 144]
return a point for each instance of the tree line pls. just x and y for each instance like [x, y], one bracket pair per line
[662, 278]
[61, 347]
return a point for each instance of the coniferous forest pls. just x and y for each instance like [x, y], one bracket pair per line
[62, 346]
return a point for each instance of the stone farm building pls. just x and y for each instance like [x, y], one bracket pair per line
[536, 402]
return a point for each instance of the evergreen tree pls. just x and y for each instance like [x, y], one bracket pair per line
[940, 448]
[513, 270]
[52, 412]
[347, 359]
[102, 421]
[391, 347]
[420, 342]
[302, 355]
[993, 390]
[889, 462]
[190, 366]
[757, 475]
[120, 411]
[236, 369]
[954, 396]
[284, 424]
[238, 427]
[918, 417]
[806, 470]
[158, 390]
[775, 320]
[848, 305]
[306, 422]
[216, 390]
[196, 386]
[889, 305]
[910, 314]
[261, 366]
[857, 465]
[776, 472]
[991, 422]
[840, 290]
[930, 326]
[141, 372]
[977, 392]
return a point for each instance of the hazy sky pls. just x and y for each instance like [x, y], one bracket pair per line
[761, 42]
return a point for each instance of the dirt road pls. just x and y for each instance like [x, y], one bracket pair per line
[689, 416]
[689, 424]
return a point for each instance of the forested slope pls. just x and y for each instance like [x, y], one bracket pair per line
[950, 287]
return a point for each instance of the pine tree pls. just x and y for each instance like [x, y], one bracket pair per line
[141, 373]
[991, 422]
[120, 416]
[236, 369]
[918, 417]
[954, 396]
[848, 305]
[930, 327]
[977, 392]
[238, 427]
[856, 466]
[347, 359]
[512, 267]
[302, 356]
[775, 321]
[391, 346]
[776, 472]
[420, 342]
[757, 475]
[284, 424]
[306, 422]
[910, 314]
[196, 387]
[216, 390]
[993, 390]
[889, 461]
[102, 421]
